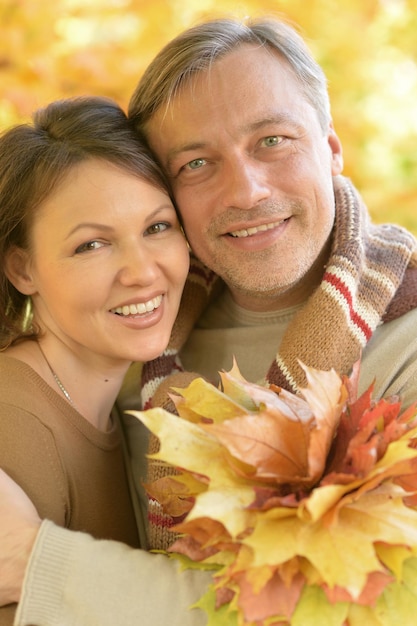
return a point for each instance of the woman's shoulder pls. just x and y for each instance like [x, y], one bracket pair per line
[22, 387]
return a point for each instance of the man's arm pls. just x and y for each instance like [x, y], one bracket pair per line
[72, 578]
[19, 525]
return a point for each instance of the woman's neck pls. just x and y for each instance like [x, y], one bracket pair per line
[92, 391]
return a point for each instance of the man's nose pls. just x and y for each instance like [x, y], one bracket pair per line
[244, 183]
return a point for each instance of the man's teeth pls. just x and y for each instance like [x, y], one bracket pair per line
[138, 309]
[246, 232]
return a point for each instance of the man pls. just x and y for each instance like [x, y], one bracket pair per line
[255, 164]
[238, 115]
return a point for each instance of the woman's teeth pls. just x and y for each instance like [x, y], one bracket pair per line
[138, 309]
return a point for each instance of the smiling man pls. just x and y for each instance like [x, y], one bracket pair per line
[287, 267]
[251, 171]
[238, 115]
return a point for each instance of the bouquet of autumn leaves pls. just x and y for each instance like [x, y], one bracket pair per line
[305, 505]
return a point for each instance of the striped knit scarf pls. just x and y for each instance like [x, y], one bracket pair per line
[370, 278]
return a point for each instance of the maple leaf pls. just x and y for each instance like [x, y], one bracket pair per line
[203, 401]
[174, 495]
[275, 447]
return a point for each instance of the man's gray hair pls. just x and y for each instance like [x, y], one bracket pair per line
[195, 49]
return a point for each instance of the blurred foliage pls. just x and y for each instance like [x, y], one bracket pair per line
[368, 49]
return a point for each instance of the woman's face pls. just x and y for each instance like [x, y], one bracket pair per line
[107, 264]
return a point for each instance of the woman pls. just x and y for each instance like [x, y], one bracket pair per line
[93, 264]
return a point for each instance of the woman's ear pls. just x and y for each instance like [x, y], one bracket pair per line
[17, 270]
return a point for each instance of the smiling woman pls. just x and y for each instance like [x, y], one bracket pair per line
[115, 231]
[94, 266]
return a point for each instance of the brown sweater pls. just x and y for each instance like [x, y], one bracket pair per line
[73, 473]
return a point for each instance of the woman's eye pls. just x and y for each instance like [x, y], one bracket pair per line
[195, 164]
[273, 140]
[88, 245]
[157, 228]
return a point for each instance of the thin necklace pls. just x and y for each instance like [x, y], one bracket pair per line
[58, 382]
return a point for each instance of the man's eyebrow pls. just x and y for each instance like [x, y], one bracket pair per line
[276, 118]
[181, 149]
[279, 118]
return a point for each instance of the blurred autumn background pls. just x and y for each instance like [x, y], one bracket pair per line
[368, 48]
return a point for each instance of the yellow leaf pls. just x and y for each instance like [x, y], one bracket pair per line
[393, 557]
[363, 616]
[314, 610]
[383, 516]
[322, 500]
[189, 448]
[203, 400]
[267, 542]
[227, 504]
[344, 552]
[398, 604]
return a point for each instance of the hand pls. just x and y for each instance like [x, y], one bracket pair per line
[19, 525]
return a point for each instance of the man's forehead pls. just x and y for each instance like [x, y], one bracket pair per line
[200, 77]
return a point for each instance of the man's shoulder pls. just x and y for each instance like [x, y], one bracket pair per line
[390, 358]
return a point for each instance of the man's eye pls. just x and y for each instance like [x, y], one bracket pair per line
[273, 140]
[88, 245]
[195, 164]
[157, 228]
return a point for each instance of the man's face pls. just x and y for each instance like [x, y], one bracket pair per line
[251, 171]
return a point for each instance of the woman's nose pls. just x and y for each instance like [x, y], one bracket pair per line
[137, 266]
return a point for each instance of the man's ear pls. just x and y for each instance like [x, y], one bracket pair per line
[17, 270]
[336, 151]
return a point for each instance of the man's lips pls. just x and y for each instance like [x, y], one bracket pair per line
[253, 230]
